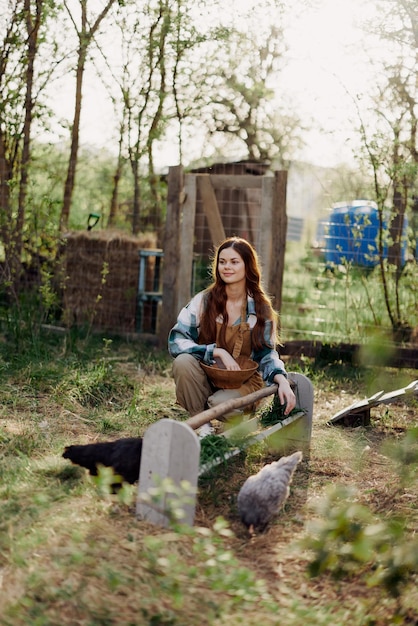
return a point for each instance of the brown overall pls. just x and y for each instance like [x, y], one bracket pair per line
[238, 341]
[194, 391]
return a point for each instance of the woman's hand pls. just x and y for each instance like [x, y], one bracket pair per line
[226, 358]
[285, 393]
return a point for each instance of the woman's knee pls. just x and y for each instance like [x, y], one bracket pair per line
[183, 363]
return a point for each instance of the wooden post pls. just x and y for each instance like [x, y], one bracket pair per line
[171, 249]
[187, 225]
[278, 239]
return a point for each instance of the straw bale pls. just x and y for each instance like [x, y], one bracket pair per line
[101, 278]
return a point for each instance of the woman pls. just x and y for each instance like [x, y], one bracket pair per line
[234, 312]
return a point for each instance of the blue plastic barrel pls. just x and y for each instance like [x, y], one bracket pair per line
[352, 235]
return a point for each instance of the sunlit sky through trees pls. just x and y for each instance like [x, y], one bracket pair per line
[328, 68]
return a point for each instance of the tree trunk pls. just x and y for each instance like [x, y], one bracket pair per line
[32, 27]
[75, 135]
[396, 228]
[116, 179]
[5, 178]
[85, 37]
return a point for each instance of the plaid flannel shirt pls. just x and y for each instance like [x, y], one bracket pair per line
[184, 338]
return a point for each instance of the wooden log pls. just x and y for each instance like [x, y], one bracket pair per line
[196, 421]
[300, 431]
[172, 253]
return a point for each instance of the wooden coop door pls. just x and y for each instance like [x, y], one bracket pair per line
[203, 209]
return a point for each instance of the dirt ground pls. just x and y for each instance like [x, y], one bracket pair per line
[338, 455]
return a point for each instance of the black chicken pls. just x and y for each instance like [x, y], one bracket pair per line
[123, 455]
[262, 495]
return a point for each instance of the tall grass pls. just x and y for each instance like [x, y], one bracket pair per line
[343, 303]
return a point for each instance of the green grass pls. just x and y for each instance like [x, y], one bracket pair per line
[72, 553]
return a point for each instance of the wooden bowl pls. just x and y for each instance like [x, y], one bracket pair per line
[230, 379]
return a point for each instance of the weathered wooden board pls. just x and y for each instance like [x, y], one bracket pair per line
[358, 413]
[402, 356]
[278, 238]
[184, 267]
[236, 181]
[211, 209]
[170, 450]
[173, 258]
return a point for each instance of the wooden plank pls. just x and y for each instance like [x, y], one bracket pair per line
[170, 450]
[263, 244]
[400, 356]
[187, 225]
[171, 247]
[391, 396]
[240, 181]
[211, 209]
[356, 407]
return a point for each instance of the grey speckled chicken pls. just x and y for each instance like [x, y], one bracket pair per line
[262, 495]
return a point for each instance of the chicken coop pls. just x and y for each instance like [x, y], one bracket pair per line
[205, 206]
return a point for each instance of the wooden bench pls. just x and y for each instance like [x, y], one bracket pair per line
[171, 450]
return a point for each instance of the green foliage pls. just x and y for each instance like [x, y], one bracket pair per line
[93, 385]
[405, 453]
[344, 303]
[216, 568]
[347, 539]
[338, 537]
[274, 412]
[213, 447]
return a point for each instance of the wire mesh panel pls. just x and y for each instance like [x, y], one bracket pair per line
[238, 193]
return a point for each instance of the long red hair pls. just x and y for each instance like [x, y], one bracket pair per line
[215, 297]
